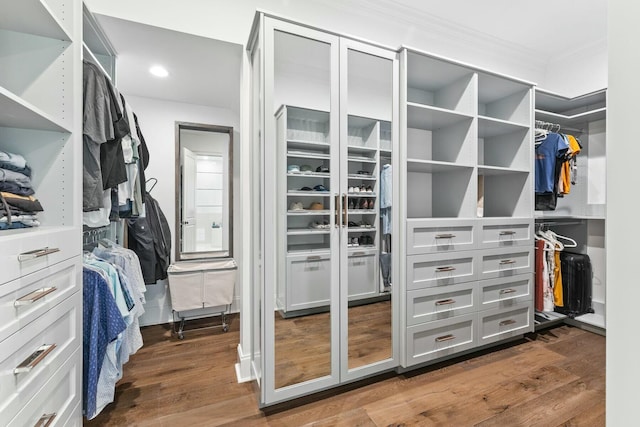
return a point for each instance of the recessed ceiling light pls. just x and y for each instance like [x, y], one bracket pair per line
[159, 71]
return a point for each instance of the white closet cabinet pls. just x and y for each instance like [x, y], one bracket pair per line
[325, 113]
[467, 198]
[581, 214]
[41, 270]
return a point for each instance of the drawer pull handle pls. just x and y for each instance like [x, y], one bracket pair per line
[446, 301]
[507, 233]
[445, 236]
[442, 269]
[507, 261]
[358, 254]
[314, 258]
[45, 420]
[34, 296]
[25, 256]
[36, 357]
[444, 338]
[507, 322]
[507, 291]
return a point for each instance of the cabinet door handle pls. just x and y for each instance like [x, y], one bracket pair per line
[25, 256]
[358, 254]
[507, 233]
[507, 291]
[445, 236]
[34, 359]
[443, 338]
[442, 269]
[34, 296]
[507, 261]
[337, 209]
[446, 301]
[507, 322]
[345, 204]
[46, 420]
[314, 258]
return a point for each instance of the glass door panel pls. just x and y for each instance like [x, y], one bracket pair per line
[366, 287]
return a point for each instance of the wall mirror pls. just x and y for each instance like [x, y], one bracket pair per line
[204, 177]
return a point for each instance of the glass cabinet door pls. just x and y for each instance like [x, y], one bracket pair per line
[368, 115]
[301, 189]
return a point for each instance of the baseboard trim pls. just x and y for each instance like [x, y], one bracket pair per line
[243, 367]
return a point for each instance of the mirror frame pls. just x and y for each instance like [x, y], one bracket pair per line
[183, 256]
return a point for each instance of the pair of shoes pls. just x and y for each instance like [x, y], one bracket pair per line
[368, 204]
[353, 241]
[363, 173]
[319, 225]
[365, 224]
[352, 224]
[368, 189]
[354, 189]
[320, 187]
[322, 169]
[366, 240]
[296, 206]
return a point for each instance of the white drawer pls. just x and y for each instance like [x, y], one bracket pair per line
[61, 326]
[308, 281]
[58, 400]
[498, 324]
[26, 298]
[364, 277]
[438, 303]
[62, 242]
[495, 263]
[503, 233]
[441, 338]
[505, 292]
[434, 236]
[440, 269]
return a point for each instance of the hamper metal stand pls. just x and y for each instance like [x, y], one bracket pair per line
[180, 331]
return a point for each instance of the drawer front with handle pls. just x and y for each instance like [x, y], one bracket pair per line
[24, 299]
[498, 324]
[425, 271]
[505, 292]
[57, 402]
[29, 250]
[496, 263]
[505, 233]
[308, 281]
[435, 236]
[424, 305]
[364, 277]
[441, 338]
[29, 357]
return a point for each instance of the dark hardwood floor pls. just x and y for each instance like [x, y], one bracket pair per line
[552, 378]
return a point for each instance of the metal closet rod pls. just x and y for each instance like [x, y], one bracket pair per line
[558, 222]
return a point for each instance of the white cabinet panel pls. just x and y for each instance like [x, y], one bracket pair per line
[441, 338]
[429, 236]
[308, 281]
[505, 292]
[498, 324]
[364, 277]
[439, 303]
[506, 232]
[440, 270]
[495, 263]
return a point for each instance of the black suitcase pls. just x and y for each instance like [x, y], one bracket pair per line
[576, 284]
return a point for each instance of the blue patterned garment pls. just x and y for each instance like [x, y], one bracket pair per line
[101, 322]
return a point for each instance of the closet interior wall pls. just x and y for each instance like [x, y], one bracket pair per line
[581, 214]
[40, 279]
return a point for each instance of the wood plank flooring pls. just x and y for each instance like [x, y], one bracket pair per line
[552, 378]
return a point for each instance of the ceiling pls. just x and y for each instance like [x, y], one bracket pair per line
[202, 71]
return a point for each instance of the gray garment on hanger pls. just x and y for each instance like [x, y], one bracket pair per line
[385, 267]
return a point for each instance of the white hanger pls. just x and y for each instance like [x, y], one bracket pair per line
[572, 243]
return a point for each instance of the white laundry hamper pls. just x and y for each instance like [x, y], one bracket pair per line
[196, 285]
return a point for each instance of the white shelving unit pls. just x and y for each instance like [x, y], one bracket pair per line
[469, 208]
[40, 119]
[581, 214]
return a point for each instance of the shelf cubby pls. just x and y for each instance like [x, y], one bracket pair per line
[451, 141]
[504, 99]
[441, 84]
[38, 17]
[504, 193]
[437, 190]
[307, 128]
[503, 145]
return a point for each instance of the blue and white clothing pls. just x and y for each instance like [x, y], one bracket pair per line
[547, 152]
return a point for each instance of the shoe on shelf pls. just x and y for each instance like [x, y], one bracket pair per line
[320, 187]
[363, 189]
[354, 241]
[350, 190]
[293, 169]
[296, 206]
[352, 224]
[363, 173]
[315, 224]
[326, 224]
[306, 169]
[369, 189]
[306, 189]
[322, 169]
[372, 204]
[356, 189]
[316, 206]
[351, 205]
[363, 204]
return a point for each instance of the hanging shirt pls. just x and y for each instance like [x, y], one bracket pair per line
[547, 153]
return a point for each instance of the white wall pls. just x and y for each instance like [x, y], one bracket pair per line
[623, 205]
[157, 121]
